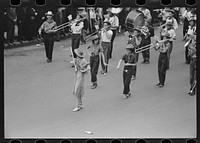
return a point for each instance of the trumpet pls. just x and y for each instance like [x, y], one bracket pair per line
[68, 24]
[144, 48]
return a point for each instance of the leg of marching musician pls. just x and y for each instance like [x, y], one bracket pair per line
[192, 77]
[51, 44]
[112, 40]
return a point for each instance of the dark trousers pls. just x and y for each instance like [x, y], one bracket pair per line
[185, 26]
[20, 31]
[49, 43]
[169, 51]
[162, 67]
[127, 74]
[187, 57]
[135, 67]
[10, 32]
[94, 65]
[146, 53]
[112, 40]
[192, 72]
[75, 42]
[106, 51]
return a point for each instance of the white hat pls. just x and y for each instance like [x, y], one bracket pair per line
[49, 13]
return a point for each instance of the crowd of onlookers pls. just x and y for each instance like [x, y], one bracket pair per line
[22, 22]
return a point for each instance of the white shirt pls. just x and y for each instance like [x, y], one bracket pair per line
[114, 22]
[187, 14]
[191, 30]
[76, 29]
[173, 21]
[172, 33]
[104, 37]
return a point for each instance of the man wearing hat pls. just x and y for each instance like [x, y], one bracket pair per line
[76, 28]
[163, 47]
[95, 51]
[190, 33]
[130, 63]
[106, 35]
[146, 12]
[114, 21]
[48, 33]
[169, 29]
[135, 39]
[148, 32]
[170, 19]
[81, 68]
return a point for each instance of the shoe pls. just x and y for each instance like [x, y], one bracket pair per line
[105, 74]
[129, 94]
[94, 86]
[147, 62]
[102, 72]
[158, 84]
[143, 62]
[191, 93]
[133, 77]
[81, 106]
[161, 85]
[125, 96]
[48, 60]
[76, 109]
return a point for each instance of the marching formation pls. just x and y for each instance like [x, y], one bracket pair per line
[139, 31]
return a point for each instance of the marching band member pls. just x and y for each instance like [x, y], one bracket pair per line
[76, 28]
[148, 32]
[130, 62]
[164, 13]
[169, 29]
[162, 47]
[170, 18]
[186, 16]
[81, 68]
[48, 33]
[95, 51]
[106, 35]
[114, 21]
[135, 39]
[190, 32]
[192, 53]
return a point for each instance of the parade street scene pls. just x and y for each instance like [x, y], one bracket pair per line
[100, 72]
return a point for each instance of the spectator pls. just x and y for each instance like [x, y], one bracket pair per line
[11, 21]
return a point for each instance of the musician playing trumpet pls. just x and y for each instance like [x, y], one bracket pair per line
[76, 28]
[162, 47]
[47, 31]
[135, 39]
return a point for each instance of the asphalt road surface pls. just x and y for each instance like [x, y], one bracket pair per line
[39, 100]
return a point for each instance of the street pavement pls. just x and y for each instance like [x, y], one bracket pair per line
[39, 101]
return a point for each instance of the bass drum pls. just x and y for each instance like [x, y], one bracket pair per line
[134, 19]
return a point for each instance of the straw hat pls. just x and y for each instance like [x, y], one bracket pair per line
[137, 28]
[79, 52]
[49, 13]
[166, 35]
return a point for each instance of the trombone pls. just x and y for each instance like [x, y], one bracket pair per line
[68, 24]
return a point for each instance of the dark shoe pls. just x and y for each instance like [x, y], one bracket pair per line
[143, 62]
[191, 93]
[48, 60]
[158, 84]
[94, 86]
[133, 77]
[102, 72]
[161, 85]
[147, 62]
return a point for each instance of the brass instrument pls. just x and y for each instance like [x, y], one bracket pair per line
[68, 24]
[144, 48]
